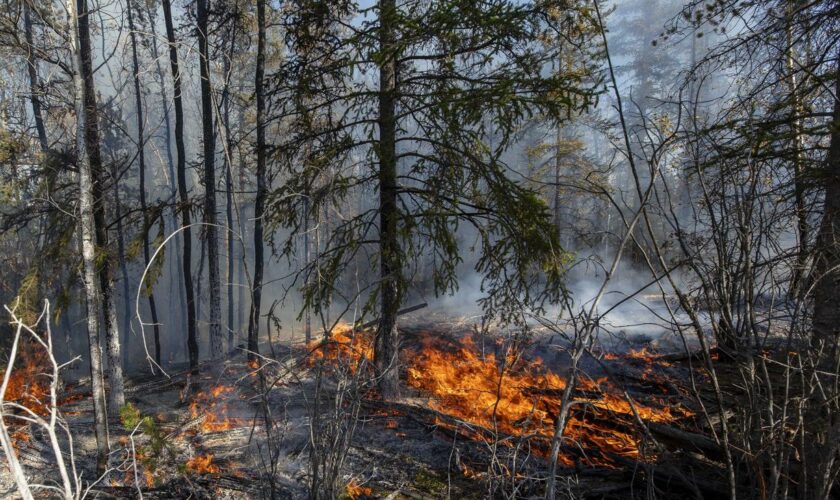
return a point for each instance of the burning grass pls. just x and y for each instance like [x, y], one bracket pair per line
[28, 386]
[213, 404]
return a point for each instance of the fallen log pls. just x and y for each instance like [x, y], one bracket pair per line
[401, 312]
[687, 440]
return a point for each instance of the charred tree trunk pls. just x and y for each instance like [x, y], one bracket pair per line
[386, 346]
[229, 191]
[210, 215]
[141, 159]
[192, 342]
[87, 224]
[259, 202]
[170, 165]
[32, 69]
[827, 265]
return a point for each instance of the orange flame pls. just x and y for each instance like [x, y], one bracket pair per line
[517, 397]
[202, 464]
[28, 385]
[345, 344]
[355, 490]
[216, 418]
[520, 398]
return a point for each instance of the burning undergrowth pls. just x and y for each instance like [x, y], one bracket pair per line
[508, 395]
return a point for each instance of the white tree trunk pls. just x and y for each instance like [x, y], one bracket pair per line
[93, 293]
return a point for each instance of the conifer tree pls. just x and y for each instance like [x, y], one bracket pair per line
[395, 103]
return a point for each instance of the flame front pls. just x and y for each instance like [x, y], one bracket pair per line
[517, 397]
[520, 398]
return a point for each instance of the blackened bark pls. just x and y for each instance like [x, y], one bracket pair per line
[386, 346]
[192, 342]
[170, 165]
[827, 265]
[231, 328]
[259, 202]
[141, 160]
[32, 68]
[210, 210]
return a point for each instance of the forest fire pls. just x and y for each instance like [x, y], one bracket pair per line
[202, 464]
[213, 405]
[28, 386]
[344, 343]
[355, 490]
[519, 397]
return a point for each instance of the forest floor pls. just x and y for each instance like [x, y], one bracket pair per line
[211, 441]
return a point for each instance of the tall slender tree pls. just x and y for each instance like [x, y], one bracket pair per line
[92, 140]
[211, 230]
[77, 11]
[259, 202]
[141, 165]
[180, 150]
[32, 71]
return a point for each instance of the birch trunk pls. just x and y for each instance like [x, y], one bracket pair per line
[88, 236]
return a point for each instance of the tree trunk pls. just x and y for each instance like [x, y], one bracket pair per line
[93, 293]
[109, 316]
[307, 314]
[259, 202]
[141, 158]
[192, 343]
[386, 346]
[32, 68]
[210, 215]
[121, 261]
[240, 271]
[803, 229]
[827, 287]
[170, 165]
[231, 327]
